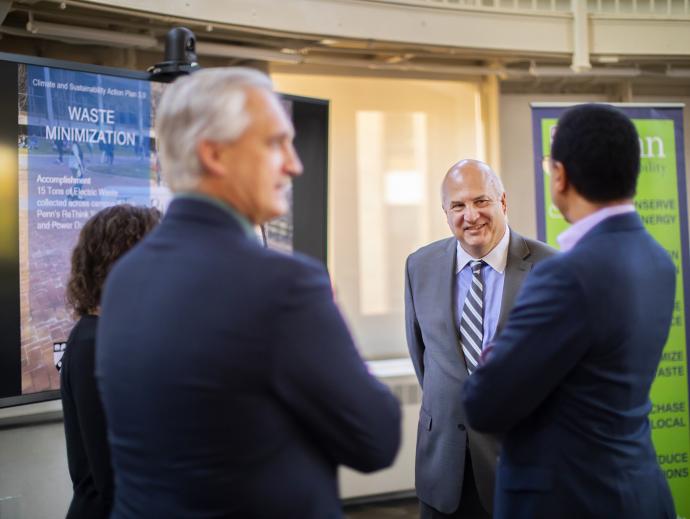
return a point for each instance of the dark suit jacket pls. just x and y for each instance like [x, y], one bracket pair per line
[434, 346]
[231, 385]
[568, 381]
[88, 455]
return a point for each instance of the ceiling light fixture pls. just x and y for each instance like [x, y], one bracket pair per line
[608, 59]
[72, 33]
[458, 70]
[236, 51]
[545, 71]
[678, 72]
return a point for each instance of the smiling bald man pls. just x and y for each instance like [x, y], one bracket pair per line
[458, 294]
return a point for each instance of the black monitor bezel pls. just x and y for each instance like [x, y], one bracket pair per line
[313, 243]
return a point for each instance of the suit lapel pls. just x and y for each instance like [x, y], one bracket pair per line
[517, 268]
[446, 291]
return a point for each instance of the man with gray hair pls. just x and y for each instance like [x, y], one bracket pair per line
[231, 385]
[458, 294]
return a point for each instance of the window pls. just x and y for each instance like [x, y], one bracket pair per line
[391, 143]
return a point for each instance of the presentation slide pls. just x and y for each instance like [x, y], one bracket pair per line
[85, 142]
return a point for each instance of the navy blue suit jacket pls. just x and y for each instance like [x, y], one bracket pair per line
[231, 385]
[569, 377]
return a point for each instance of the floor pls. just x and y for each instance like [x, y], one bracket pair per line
[398, 509]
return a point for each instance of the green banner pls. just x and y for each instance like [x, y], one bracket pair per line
[660, 201]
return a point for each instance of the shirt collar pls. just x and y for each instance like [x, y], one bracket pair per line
[569, 238]
[497, 258]
[246, 226]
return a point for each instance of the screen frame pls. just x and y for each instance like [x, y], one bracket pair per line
[312, 189]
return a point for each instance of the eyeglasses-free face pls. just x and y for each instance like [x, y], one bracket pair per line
[476, 212]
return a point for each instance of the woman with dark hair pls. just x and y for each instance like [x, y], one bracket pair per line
[104, 238]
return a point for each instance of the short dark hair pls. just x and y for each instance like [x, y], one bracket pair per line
[600, 150]
[105, 237]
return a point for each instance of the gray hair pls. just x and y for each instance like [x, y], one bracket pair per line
[208, 104]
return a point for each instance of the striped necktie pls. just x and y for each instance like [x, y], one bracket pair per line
[472, 320]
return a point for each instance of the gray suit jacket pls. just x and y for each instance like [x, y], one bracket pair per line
[433, 341]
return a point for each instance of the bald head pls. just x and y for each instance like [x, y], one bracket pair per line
[474, 201]
[460, 173]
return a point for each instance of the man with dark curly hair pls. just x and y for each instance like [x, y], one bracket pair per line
[104, 238]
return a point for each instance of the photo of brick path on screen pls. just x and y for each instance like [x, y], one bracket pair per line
[45, 253]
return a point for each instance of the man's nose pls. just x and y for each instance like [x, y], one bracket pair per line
[471, 213]
[293, 164]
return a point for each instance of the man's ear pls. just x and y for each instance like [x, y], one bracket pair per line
[504, 204]
[559, 177]
[209, 154]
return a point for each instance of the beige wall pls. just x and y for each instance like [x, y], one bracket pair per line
[378, 127]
